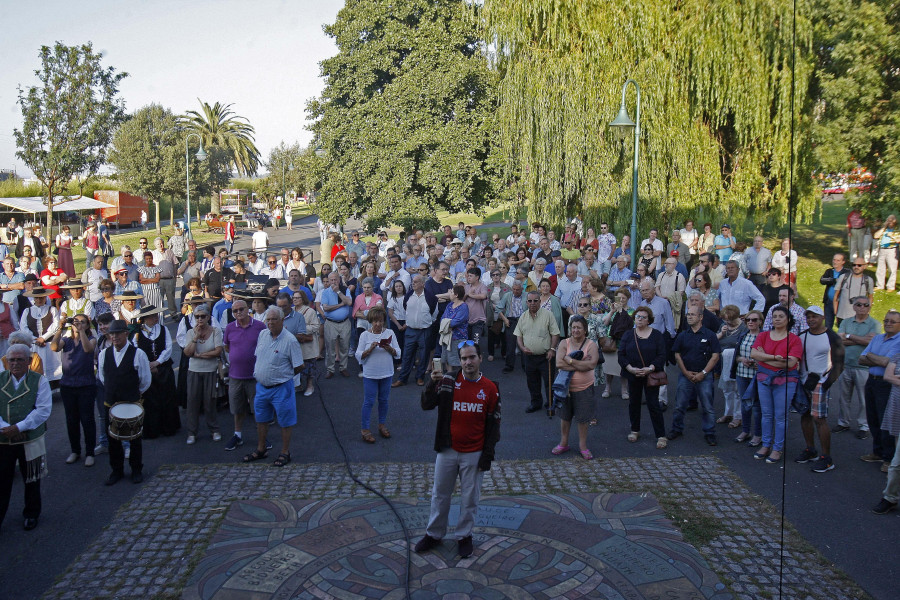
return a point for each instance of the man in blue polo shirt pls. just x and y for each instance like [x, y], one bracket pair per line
[697, 351]
[335, 308]
[876, 356]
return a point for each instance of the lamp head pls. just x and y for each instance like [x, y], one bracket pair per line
[622, 122]
[201, 153]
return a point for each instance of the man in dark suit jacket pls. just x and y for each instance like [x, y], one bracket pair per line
[37, 249]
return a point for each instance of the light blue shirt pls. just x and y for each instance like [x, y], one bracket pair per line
[724, 253]
[882, 346]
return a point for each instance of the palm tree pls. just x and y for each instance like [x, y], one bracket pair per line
[218, 126]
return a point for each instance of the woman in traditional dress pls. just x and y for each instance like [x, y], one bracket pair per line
[64, 248]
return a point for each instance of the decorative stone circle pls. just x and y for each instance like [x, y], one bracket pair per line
[615, 546]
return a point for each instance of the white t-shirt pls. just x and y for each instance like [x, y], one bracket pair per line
[379, 364]
[688, 238]
[817, 352]
[260, 240]
[657, 244]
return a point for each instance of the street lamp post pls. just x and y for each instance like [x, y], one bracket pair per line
[284, 201]
[201, 155]
[623, 122]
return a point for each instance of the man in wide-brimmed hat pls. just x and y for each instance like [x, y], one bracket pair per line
[76, 303]
[42, 320]
[160, 403]
[124, 372]
[129, 308]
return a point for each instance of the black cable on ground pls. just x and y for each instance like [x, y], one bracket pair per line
[366, 486]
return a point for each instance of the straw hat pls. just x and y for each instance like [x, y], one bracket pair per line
[147, 311]
[37, 292]
[128, 295]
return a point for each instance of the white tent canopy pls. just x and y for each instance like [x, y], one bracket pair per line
[63, 203]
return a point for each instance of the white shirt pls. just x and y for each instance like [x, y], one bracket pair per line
[657, 244]
[276, 358]
[42, 405]
[140, 363]
[418, 315]
[688, 238]
[740, 293]
[392, 276]
[260, 241]
[566, 290]
[92, 278]
[379, 364]
[38, 313]
[153, 333]
[255, 267]
[817, 355]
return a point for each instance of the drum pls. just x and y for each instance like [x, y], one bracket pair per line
[126, 421]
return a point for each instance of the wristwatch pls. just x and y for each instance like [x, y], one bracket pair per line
[703, 371]
[846, 336]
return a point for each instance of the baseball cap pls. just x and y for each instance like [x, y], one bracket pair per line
[816, 310]
[673, 253]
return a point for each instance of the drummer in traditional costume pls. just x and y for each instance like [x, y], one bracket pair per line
[76, 303]
[42, 321]
[160, 403]
[128, 311]
[125, 373]
[25, 404]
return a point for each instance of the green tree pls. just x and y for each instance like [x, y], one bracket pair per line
[716, 107]
[856, 89]
[68, 119]
[284, 173]
[228, 140]
[147, 153]
[406, 117]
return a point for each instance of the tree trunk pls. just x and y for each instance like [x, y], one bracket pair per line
[214, 207]
[49, 235]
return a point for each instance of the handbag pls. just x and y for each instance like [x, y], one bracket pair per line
[655, 378]
[56, 250]
[607, 344]
[497, 327]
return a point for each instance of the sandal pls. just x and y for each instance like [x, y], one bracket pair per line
[560, 450]
[723, 419]
[633, 436]
[586, 455]
[763, 453]
[735, 423]
[282, 460]
[742, 438]
[383, 430]
[256, 455]
[592, 422]
[367, 436]
[661, 443]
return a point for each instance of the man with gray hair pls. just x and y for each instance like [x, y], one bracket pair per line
[421, 312]
[512, 305]
[26, 409]
[278, 359]
[855, 334]
[335, 308]
[737, 290]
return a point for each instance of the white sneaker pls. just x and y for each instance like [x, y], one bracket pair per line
[100, 449]
[72, 458]
[191, 439]
[217, 437]
[360, 375]
[308, 392]
[128, 452]
[89, 461]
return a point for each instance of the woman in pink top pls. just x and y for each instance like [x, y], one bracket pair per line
[579, 405]
[777, 353]
[365, 301]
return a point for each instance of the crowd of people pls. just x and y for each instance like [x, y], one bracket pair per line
[570, 312]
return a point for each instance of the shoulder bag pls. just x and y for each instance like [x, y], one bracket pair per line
[655, 378]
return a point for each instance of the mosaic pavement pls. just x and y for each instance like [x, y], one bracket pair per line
[539, 546]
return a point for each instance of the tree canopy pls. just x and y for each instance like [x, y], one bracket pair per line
[148, 155]
[856, 90]
[406, 116]
[716, 109]
[69, 118]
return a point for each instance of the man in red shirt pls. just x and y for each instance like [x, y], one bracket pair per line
[468, 429]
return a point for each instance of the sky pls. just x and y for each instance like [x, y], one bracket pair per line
[261, 56]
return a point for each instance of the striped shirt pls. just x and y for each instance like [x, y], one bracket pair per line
[276, 358]
[743, 351]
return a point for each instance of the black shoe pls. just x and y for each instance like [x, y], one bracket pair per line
[532, 409]
[31, 523]
[839, 428]
[862, 434]
[884, 507]
[426, 543]
[507, 369]
[114, 478]
[691, 408]
[823, 465]
[465, 547]
[663, 406]
[807, 455]
[137, 477]
[710, 439]
[673, 435]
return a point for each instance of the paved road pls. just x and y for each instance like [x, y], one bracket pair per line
[830, 510]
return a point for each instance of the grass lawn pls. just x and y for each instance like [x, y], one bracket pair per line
[816, 244]
[132, 238]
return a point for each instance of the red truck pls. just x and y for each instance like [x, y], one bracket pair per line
[127, 211]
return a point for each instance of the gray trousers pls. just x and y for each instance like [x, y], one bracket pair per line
[200, 390]
[891, 491]
[167, 289]
[448, 465]
[850, 388]
[887, 261]
[340, 333]
[858, 243]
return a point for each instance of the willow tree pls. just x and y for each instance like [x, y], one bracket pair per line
[715, 79]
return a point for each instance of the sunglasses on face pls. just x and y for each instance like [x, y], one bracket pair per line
[859, 265]
[582, 304]
[752, 320]
[128, 255]
[861, 304]
[464, 343]
[271, 262]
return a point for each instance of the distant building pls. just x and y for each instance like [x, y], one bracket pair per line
[6, 174]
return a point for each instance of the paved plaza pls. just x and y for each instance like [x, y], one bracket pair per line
[150, 540]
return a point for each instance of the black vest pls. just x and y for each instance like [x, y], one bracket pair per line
[152, 348]
[229, 317]
[121, 382]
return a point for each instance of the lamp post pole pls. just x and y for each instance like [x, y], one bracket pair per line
[284, 202]
[624, 121]
[201, 155]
